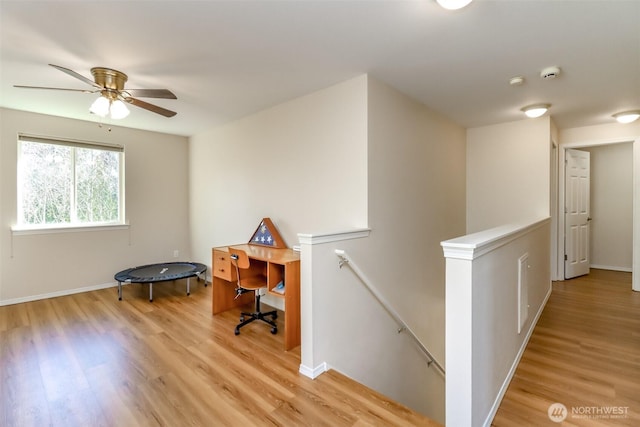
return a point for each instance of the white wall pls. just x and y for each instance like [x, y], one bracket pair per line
[508, 173]
[41, 265]
[301, 163]
[611, 206]
[416, 200]
[588, 134]
[485, 337]
[416, 197]
[417, 175]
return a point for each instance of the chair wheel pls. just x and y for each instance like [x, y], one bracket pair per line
[275, 316]
[274, 331]
[237, 331]
[241, 319]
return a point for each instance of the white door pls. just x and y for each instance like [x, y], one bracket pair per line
[577, 210]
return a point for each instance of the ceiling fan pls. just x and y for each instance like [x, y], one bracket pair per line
[110, 84]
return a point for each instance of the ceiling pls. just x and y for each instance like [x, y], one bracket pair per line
[228, 59]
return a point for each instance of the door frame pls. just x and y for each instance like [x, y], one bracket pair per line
[558, 268]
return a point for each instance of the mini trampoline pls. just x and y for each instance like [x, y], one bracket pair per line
[162, 272]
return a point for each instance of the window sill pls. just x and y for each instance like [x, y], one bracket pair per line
[26, 230]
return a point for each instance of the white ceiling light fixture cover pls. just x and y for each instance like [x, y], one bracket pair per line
[453, 4]
[119, 110]
[627, 116]
[100, 106]
[104, 107]
[535, 110]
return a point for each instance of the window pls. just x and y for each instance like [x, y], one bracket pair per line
[64, 183]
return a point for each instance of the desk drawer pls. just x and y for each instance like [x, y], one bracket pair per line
[222, 267]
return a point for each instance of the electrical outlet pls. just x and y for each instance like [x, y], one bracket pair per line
[176, 253]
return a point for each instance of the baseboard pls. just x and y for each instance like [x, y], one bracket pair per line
[610, 267]
[313, 372]
[57, 294]
[516, 362]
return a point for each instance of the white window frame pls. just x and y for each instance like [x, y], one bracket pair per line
[73, 225]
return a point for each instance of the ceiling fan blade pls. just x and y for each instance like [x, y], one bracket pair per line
[77, 76]
[56, 88]
[151, 93]
[150, 107]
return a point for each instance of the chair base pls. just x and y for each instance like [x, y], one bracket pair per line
[258, 315]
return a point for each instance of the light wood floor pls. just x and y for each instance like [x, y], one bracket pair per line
[91, 360]
[583, 353]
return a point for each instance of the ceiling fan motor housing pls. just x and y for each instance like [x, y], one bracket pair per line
[108, 78]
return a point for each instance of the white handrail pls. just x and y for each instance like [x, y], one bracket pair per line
[345, 259]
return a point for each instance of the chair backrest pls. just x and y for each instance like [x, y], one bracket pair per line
[239, 258]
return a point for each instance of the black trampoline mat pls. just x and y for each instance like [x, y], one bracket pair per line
[160, 272]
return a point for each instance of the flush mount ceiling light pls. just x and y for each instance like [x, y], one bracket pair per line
[627, 116]
[535, 110]
[453, 4]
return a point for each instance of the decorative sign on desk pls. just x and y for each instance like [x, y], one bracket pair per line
[267, 235]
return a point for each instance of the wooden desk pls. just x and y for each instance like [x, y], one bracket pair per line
[278, 264]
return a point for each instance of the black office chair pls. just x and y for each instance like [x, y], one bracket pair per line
[250, 283]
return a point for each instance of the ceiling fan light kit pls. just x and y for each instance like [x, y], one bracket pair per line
[627, 116]
[118, 110]
[103, 107]
[100, 106]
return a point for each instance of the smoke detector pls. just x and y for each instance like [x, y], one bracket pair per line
[550, 73]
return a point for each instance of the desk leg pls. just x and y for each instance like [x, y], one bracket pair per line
[292, 306]
[224, 296]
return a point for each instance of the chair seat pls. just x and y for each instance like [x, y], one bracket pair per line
[253, 283]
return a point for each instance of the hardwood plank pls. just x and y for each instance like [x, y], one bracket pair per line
[584, 353]
[21, 381]
[91, 360]
[16, 316]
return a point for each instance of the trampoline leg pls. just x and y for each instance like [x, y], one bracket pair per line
[119, 291]
[204, 278]
[188, 290]
[150, 292]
